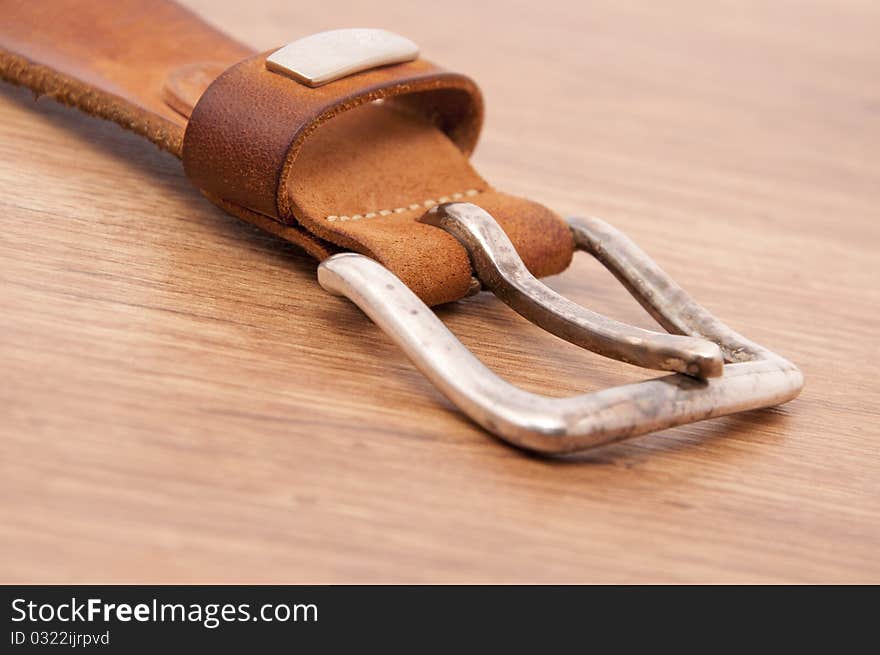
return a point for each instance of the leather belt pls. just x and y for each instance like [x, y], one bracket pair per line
[348, 141]
[261, 145]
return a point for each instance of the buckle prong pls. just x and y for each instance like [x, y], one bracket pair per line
[500, 269]
[754, 378]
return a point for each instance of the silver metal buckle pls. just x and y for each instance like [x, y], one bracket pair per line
[718, 371]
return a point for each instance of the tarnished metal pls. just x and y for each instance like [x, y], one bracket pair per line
[755, 377]
[500, 269]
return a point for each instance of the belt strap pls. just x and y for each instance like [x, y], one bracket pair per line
[355, 164]
[325, 168]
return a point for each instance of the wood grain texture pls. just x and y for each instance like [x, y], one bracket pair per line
[182, 403]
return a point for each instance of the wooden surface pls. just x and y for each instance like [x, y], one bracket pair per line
[182, 403]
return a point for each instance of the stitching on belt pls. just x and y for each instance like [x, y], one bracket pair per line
[425, 204]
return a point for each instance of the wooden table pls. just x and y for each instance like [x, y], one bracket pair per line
[181, 402]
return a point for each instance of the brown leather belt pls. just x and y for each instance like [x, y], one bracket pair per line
[262, 147]
[374, 160]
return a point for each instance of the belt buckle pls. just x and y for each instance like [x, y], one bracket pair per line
[717, 371]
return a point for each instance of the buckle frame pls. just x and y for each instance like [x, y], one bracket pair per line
[718, 371]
